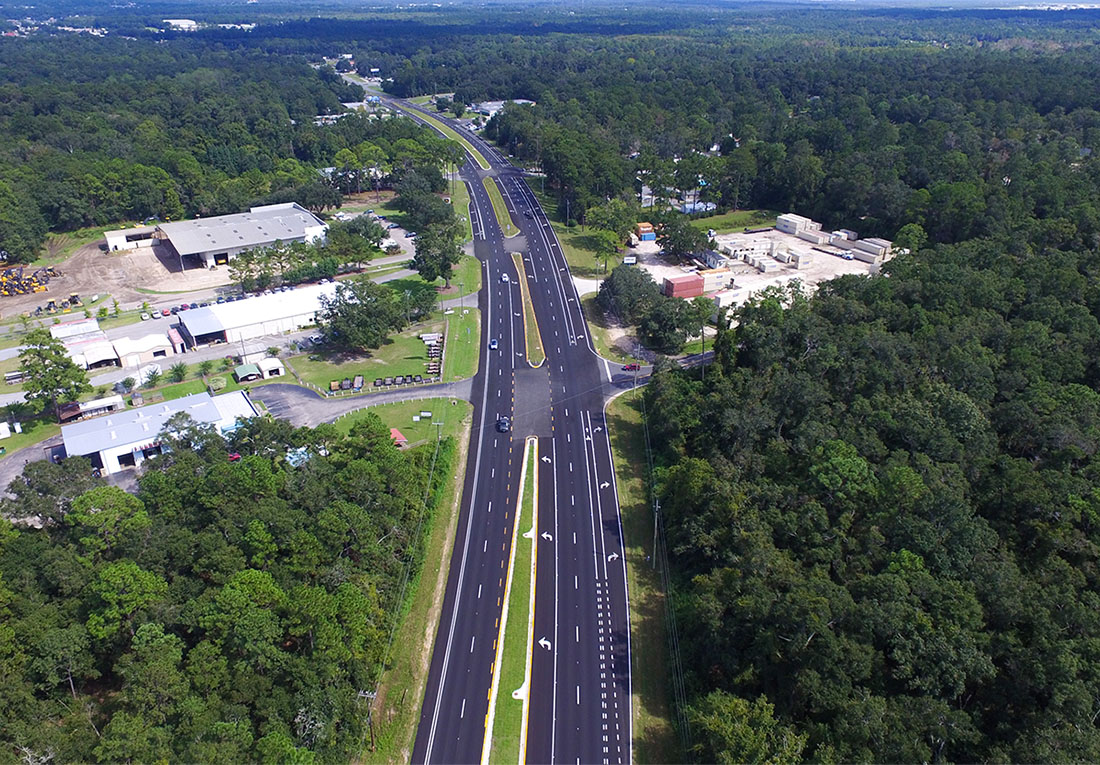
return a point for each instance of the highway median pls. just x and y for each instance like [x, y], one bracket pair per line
[500, 210]
[536, 353]
[505, 729]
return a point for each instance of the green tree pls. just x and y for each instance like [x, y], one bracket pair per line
[102, 516]
[205, 367]
[730, 730]
[437, 253]
[679, 239]
[360, 315]
[51, 376]
[629, 293]
[607, 245]
[122, 590]
[178, 372]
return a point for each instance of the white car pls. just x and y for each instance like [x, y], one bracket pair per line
[493, 344]
[504, 278]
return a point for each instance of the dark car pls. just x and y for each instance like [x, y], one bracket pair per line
[504, 424]
[203, 305]
[632, 367]
[221, 299]
[194, 305]
[175, 310]
[528, 214]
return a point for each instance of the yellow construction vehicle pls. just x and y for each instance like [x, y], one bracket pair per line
[74, 300]
[51, 307]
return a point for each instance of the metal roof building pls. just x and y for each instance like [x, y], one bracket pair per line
[255, 317]
[127, 438]
[214, 241]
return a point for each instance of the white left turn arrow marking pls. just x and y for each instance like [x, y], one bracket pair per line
[547, 537]
[544, 643]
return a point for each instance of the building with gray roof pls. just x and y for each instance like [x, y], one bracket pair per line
[215, 241]
[129, 437]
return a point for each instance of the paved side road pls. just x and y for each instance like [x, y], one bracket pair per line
[302, 406]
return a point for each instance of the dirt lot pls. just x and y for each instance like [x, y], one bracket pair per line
[91, 271]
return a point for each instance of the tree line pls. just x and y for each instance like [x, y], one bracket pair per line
[191, 130]
[881, 514]
[228, 611]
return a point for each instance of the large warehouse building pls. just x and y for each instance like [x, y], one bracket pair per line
[129, 437]
[256, 317]
[215, 241]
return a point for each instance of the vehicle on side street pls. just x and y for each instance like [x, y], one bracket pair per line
[632, 367]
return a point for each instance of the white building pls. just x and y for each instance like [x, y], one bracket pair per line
[255, 317]
[214, 241]
[135, 351]
[130, 238]
[126, 439]
[789, 223]
[182, 25]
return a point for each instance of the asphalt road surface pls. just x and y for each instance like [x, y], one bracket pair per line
[580, 685]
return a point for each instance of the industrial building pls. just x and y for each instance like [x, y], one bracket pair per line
[256, 317]
[123, 439]
[88, 346]
[130, 238]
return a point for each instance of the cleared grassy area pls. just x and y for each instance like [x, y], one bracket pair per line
[460, 201]
[401, 690]
[59, 247]
[535, 353]
[508, 718]
[421, 100]
[655, 738]
[602, 332]
[404, 354]
[500, 210]
[578, 245]
[447, 416]
[35, 430]
[463, 344]
[465, 280]
[736, 221]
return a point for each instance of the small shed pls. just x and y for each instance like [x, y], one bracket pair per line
[247, 373]
[271, 367]
[398, 438]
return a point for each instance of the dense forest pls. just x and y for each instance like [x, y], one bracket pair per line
[100, 131]
[230, 611]
[883, 516]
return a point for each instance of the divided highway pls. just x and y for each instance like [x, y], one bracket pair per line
[580, 685]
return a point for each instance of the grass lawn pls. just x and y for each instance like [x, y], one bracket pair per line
[404, 354]
[460, 357]
[460, 201]
[401, 690]
[655, 738]
[465, 280]
[35, 430]
[579, 246]
[508, 717]
[535, 353]
[399, 415]
[736, 221]
[500, 210]
[421, 100]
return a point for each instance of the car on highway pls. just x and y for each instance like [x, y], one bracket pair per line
[632, 367]
[504, 278]
[493, 344]
[528, 214]
[504, 424]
